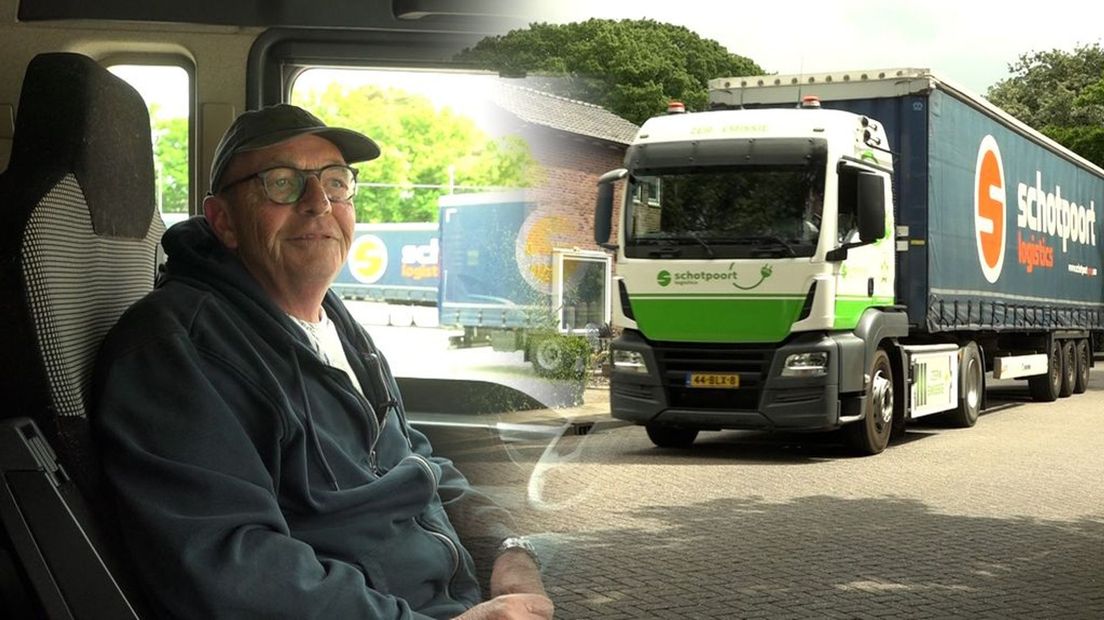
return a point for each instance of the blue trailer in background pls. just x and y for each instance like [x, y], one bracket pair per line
[512, 278]
[394, 263]
[496, 267]
[391, 263]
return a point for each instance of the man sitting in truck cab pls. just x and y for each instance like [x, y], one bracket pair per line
[253, 436]
[847, 222]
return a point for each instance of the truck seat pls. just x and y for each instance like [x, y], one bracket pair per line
[79, 232]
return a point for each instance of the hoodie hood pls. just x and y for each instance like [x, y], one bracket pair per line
[196, 255]
[198, 258]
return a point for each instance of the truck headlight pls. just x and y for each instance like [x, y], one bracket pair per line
[629, 361]
[811, 364]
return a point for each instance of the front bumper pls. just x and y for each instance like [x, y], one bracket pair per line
[765, 399]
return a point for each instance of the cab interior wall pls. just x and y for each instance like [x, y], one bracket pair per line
[204, 48]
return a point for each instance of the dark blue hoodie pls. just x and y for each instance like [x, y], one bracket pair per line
[253, 480]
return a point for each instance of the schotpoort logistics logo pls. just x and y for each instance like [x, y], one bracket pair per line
[538, 235]
[989, 208]
[368, 259]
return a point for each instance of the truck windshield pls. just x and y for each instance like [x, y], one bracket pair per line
[725, 211]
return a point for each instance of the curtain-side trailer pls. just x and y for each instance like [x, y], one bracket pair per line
[850, 250]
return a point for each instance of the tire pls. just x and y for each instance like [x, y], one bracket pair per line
[671, 436]
[1045, 388]
[1081, 355]
[551, 357]
[972, 388]
[871, 434]
[1069, 369]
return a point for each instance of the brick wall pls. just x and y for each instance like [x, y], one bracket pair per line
[570, 167]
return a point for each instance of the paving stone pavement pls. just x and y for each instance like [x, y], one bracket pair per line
[1004, 520]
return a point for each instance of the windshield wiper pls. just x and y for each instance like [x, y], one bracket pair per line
[696, 237]
[669, 244]
[667, 251]
[775, 240]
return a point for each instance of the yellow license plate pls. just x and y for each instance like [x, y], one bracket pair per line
[713, 380]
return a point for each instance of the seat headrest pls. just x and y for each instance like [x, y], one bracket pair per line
[76, 116]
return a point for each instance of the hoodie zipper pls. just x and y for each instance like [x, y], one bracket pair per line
[346, 384]
[451, 546]
[372, 409]
[452, 550]
[380, 389]
[379, 385]
[376, 424]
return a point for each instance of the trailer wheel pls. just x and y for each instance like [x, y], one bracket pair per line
[554, 356]
[548, 356]
[671, 436]
[1045, 388]
[1081, 382]
[1069, 369]
[973, 386]
[871, 434]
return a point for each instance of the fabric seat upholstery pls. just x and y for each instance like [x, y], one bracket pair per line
[78, 240]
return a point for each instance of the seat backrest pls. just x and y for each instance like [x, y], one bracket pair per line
[79, 232]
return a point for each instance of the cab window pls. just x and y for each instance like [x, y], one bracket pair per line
[166, 89]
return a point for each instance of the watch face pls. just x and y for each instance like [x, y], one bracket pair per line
[520, 544]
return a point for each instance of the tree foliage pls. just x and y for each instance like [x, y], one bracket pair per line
[1061, 94]
[170, 156]
[424, 151]
[630, 67]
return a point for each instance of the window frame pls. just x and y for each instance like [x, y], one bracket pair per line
[185, 63]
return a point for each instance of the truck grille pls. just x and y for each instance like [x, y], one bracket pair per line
[676, 360]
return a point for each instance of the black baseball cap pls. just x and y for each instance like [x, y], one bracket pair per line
[257, 129]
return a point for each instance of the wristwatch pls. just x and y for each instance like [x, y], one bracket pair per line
[520, 543]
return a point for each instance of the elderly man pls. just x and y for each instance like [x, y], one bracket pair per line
[253, 436]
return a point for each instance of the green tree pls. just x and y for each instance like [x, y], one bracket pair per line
[170, 156]
[630, 67]
[423, 151]
[1061, 94]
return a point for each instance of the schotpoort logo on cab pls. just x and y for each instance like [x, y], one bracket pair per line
[368, 259]
[989, 208]
[663, 277]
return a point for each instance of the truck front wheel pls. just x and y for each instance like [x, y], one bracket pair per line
[671, 436]
[973, 384]
[871, 434]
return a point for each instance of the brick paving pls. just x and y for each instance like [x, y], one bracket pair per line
[1004, 520]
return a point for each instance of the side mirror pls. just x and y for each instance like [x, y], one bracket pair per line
[870, 195]
[603, 209]
[871, 190]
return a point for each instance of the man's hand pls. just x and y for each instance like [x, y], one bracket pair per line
[511, 607]
[514, 572]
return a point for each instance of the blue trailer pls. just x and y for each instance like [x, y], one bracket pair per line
[512, 278]
[394, 263]
[857, 261]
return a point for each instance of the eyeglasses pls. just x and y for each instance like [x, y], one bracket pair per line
[284, 185]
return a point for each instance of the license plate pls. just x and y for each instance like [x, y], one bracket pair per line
[713, 380]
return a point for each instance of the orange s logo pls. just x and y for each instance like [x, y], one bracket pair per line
[989, 208]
